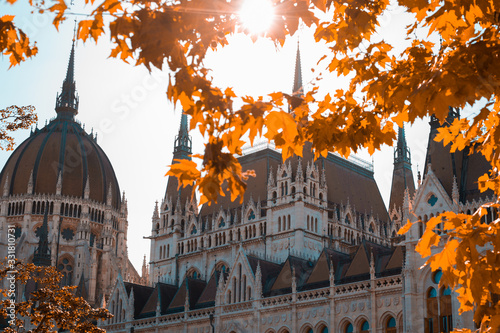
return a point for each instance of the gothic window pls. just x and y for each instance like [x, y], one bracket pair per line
[289, 222]
[391, 325]
[251, 215]
[347, 219]
[68, 234]
[349, 328]
[365, 327]
[279, 224]
[222, 223]
[371, 229]
[66, 268]
[324, 330]
[193, 273]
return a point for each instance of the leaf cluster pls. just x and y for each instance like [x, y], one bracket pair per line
[51, 306]
[452, 59]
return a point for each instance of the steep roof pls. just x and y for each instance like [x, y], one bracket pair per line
[302, 269]
[141, 295]
[193, 288]
[162, 291]
[465, 165]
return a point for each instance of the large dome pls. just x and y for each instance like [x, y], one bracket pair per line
[61, 147]
[61, 155]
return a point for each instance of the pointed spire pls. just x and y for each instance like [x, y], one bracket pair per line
[332, 274]
[183, 144]
[402, 153]
[156, 215]
[6, 186]
[298, 89]
[372, 266]
[86, 192]
[294, 281]
[158, 301]
[67, 101]
[109, 195]
[186, 299]
[455, 195]
[59, 184]
[300, 172]
[42, 253]
[258, 281]
[30, 183]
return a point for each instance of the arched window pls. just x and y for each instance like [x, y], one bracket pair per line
[279, 223]
[436, 277]
[365, 327]
[66, 268]
[324, 330]
[391, 325]
[349, 328]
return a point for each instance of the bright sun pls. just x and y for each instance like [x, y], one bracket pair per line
[256, 15]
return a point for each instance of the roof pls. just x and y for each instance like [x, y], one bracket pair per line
[466, 165]
[346, 181]
[61, 147]
[276, 278]
[141, 295]
[193, 287]
[162, 291]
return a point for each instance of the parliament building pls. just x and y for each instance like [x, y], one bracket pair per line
[313, 248]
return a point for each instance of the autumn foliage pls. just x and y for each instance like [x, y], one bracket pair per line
[451, 59]
[50, 307]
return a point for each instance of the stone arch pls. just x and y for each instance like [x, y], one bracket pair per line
[306, 328]
[360, 320]
[320, 326]
[384, 318]
[284, 329]
[344, 323]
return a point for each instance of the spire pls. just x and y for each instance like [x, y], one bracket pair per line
[30, 183]
[183, 143]
[6, 186]
[298, 89]
[86, 191]
[402, 152]
[59, 184]
[42, 253]
[67, 100]
[402, 176]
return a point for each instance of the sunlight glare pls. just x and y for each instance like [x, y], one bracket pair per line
[256, 15]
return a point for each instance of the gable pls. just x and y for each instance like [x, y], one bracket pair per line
[360, 263]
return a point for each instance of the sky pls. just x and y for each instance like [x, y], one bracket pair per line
[135, 123]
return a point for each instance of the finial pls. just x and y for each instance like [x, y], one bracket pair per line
[75, 30]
